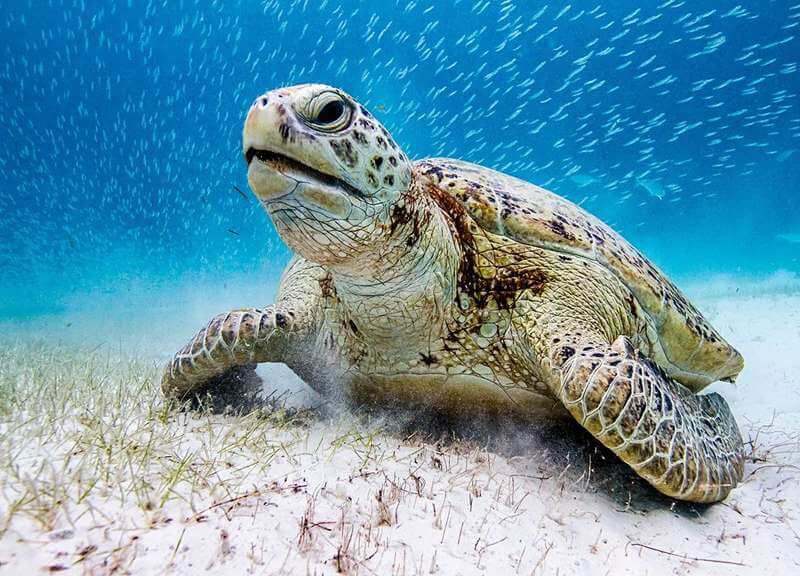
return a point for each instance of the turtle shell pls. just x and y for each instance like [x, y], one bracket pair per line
[687, 346]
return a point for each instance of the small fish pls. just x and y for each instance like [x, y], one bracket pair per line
[232, 231]
[242, 194]
[653, 187]
[790, 237]
[582, 180]
[784, 156]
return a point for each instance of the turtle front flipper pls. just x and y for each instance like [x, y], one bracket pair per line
[687, 446]
[238, 338]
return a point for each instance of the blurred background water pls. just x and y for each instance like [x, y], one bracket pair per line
[121, 173]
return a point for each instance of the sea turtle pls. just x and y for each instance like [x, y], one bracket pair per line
[447, 284]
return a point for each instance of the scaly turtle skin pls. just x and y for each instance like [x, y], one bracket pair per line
[446, 284]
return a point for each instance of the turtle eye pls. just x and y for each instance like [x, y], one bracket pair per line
[328, 112]
[331, 112]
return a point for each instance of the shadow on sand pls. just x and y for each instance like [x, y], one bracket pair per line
[555, 449]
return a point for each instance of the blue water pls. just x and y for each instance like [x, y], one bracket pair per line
[677, 122]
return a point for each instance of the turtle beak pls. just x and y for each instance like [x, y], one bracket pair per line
[257, 126]
[267, 183]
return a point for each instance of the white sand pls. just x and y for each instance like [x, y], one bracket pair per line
[343, 496]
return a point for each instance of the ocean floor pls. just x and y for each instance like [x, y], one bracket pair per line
[98, 476]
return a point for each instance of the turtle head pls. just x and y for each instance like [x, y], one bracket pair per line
[326, 171]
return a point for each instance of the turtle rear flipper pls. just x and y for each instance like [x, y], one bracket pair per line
[686, 445]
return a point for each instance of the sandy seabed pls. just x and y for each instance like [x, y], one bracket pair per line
[97, 476]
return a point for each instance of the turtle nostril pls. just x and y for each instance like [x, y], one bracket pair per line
[262, 102]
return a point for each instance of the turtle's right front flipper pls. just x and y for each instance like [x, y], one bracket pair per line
[238, 338]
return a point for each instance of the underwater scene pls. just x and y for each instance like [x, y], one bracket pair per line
[400, 287]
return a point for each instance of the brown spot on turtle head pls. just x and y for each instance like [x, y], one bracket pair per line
[284, 131]
[343, 149]
[373, 181]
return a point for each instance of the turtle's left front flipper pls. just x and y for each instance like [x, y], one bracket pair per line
[231, 340]
[686, 445]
